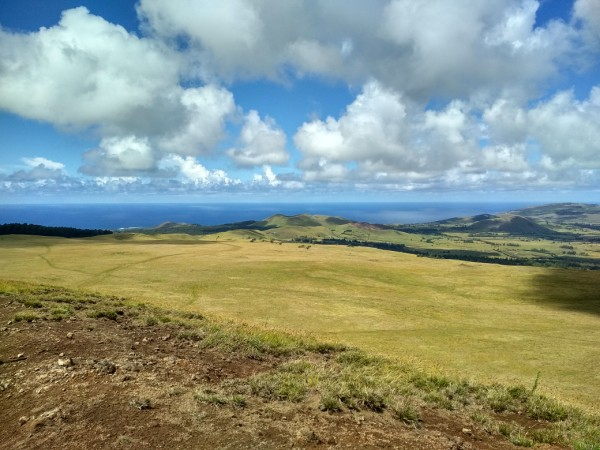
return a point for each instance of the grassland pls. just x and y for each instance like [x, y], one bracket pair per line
[265, 380]
[482, 322]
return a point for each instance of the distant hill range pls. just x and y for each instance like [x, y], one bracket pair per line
[565, 213]
[559, 235]
[564, 233]
[542, 221]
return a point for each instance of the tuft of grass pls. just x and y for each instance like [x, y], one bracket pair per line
[483, 419]
[212, 397]
[151, 321]
[61, 313]
[26, 316]
[329, 402]
[32, 303]
[111, 314]
[405, 410]
[542, 408]
[286, 386]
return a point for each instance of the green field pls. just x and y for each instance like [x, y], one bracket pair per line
[480, 321]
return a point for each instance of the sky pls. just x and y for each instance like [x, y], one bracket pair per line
[302, 100]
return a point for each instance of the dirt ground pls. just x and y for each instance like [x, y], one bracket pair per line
[85, 383]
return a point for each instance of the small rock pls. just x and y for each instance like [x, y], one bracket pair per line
[61, 354]
[141, 403]
[467, 431]
[166, 338]
[69, 335]
[20, 355]
[65, 362]
[10, 322]
[23, 420]
[4, 328]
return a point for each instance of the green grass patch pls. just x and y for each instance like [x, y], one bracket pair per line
[26, 316]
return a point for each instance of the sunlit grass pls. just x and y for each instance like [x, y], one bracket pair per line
[340, 378]
[478, 321]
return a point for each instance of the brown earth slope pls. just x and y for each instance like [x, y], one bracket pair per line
[117, 381]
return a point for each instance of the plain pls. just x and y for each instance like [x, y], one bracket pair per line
[484, 322]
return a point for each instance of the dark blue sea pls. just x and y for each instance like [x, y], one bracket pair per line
[114, 216]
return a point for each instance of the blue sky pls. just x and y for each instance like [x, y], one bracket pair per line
[247, 100]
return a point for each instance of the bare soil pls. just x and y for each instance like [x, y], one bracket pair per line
[86, 383]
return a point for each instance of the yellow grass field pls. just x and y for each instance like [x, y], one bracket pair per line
[479, 321]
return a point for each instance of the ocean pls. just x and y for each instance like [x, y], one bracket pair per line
[115, 216]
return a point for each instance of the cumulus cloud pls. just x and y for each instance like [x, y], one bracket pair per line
[267, 177]
[205, 111]
[588, 13]
[381, 133]
[189, 170]
[425, 49]
[563, 129]
[39, 169]
[383, 139]
[569, 130]
[84, 72]
[262, 143]
[120, 156]
[158, 105]
[373, 127]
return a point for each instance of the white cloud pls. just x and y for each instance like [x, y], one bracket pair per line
[382, 139]
[563, 129]
[85, 71]
[41, 161]
[262, 142]
[383, 134]
[227, 32]
[191, 171]
[268, 177]
[588, 12]
[425, 49]
[504, 158]
[205, 110]
[567, 129]
[40, 170]
[120, 155]
[157, 102]
[373, 127]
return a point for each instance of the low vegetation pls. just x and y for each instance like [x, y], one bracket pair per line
[330, 377]
[40, 230]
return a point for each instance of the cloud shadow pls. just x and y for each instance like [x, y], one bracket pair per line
[573, 290]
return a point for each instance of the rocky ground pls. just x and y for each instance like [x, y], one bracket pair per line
[95, 383]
